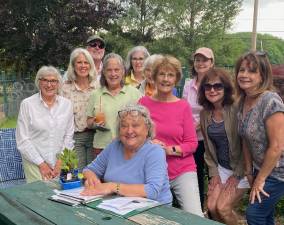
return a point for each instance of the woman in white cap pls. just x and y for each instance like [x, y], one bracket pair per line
[203, 60]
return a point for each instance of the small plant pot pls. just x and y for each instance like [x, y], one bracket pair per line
[65, 185]
[71, 182]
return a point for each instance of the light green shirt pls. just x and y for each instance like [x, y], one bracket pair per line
[110, 106]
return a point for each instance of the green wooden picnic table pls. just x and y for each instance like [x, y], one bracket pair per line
[28, 204]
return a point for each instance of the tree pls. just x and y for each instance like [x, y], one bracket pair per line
[146, 20]
[44, 32]
[140, 19]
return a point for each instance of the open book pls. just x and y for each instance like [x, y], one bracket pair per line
[73, 196]
[126, 205]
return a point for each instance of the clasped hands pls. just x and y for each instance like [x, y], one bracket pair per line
[46, 171]
[228, 188]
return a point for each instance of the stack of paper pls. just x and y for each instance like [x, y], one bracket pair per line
[73, 196]
[124, 205]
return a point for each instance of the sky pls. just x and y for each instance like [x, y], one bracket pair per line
[270, 17]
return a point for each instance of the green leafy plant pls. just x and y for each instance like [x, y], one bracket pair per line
[69, 160]
[69, 165]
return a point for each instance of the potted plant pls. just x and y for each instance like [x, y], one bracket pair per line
[69, 175]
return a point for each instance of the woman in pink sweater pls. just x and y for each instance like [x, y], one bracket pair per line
[175, 132]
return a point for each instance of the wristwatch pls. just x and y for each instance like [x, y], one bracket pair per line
[174, 149]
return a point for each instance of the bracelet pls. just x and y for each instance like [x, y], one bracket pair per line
[117, 188]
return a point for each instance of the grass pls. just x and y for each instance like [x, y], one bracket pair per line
[9, 122]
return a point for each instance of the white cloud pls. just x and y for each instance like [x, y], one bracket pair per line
[270, 17]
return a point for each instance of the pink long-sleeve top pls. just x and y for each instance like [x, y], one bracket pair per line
[174, 126]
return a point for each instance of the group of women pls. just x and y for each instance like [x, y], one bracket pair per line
[150, 143]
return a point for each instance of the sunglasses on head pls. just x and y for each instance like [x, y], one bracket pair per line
[97, 44]
[216, 87]
[260, 53]
[132, 112]
[257, 53]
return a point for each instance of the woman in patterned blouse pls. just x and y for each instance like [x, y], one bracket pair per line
[81, 82]
[261, 126]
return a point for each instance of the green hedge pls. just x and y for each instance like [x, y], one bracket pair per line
[9, 122]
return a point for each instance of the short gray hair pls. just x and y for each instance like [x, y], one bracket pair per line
[71, 74]
[143, 111]
[46, 71]
[128, 64]
[106, 60]
[149, 62]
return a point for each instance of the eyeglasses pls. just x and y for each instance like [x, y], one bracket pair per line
[46, 81]
[100, 45]
[216, 87]
[131, 112]
[138, 59]
[166, 75]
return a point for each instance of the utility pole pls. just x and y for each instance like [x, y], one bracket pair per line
[254, 33]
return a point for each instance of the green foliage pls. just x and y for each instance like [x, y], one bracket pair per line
[9, 122]
[35, 33]
[69, 160]
[45, 32]
[280, 208]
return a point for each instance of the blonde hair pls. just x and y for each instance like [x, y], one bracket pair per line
[71, 74]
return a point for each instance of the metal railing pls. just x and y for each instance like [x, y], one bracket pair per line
[13, 91]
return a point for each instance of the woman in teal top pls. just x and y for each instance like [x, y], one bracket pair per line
[109, 99]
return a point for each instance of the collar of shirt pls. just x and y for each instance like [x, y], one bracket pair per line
[130, 79]
[106, 91]
[192, 84]
[133, 77]
[93, 85]
[43, 102]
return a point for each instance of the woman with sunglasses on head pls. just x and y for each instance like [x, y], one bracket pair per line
[45, 127]
[261, 126]
[223, 153]
[81, 75]
[134, 65]
[131, 165]
[203, 60]
[175, 132]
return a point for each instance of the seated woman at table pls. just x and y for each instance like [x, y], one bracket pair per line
[131, 165]
[45, 127]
